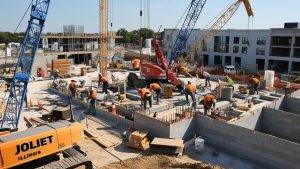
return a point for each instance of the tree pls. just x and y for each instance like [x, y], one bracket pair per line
[7, 37]
[134, 36]
[125, 34]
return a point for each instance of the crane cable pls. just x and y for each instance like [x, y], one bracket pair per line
[30, 4]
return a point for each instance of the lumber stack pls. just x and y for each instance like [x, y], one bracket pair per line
[63, 65]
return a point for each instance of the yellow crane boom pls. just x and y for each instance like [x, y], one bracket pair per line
[219, 24]
[103, 61]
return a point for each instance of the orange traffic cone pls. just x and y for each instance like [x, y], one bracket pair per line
[113, 109]
[40, 105]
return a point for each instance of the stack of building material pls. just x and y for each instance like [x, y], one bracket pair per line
[167, 146]
[63, 65]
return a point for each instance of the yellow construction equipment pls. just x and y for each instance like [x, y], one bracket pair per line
[22, 147]
[139, 140]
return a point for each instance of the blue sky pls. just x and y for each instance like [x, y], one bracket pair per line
[267, 14]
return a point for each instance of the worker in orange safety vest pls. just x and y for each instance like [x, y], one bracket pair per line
[145, 95]
[208, 102]
[104, 81]
[190, 89]
[255, 84]
[156, 88]
[92, 97]
[72, 88]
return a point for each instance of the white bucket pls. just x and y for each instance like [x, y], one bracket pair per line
[199, 144]
[269, 78]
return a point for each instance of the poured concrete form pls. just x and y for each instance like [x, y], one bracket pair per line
[251, 135]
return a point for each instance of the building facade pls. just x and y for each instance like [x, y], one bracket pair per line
[269, 49]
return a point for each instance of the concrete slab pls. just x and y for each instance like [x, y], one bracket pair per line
[223, 159]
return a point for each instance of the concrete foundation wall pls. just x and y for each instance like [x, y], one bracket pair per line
[291, 105]
[260, 148]
[281, 124]
[184, 129]
[251, 121]
[103, 113]
[155, 127]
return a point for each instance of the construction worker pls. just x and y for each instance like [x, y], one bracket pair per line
[72, 88]
[92, 97]
[190, 89]
[208, 102]
[104, 81]
[207, 78]
[229, 82]
[145, 96]
[156, 88]
[255, 84]
[56, 74]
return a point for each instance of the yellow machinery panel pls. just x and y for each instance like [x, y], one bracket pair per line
[139, 140]
[34, 143]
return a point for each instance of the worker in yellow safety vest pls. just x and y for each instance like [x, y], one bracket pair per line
[145, 95]
[229, 82]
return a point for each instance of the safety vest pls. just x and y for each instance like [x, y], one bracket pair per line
[255, 81]
[230, 82]
[103, 79]
[190, 87]
[208, 99]
[72, 85]
[143, 93]
[93, 94]
[154, 86]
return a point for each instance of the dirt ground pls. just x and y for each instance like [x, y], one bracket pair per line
[157, 162]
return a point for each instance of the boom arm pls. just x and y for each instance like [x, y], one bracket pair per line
[219, 24]
[186, 29]
[26, 58]
[159, 54]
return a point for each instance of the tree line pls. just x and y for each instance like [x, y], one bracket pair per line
[7, 37]
[134, 36]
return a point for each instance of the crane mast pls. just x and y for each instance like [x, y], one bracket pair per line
[187, 27]
[23, 67]
[103, 61]
[219, 24]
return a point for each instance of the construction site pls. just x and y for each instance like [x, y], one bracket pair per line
[78, 100]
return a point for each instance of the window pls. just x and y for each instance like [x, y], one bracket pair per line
[244, 50]
[235, 49]
[260, 51]
[281, 41]
[261, 41]
[245, 40]
[218, 60]
[168, 38]
[205, 59]
[221, 44]
[227, 60]
[236, 40]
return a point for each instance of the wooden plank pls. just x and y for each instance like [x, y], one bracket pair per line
[103, 143]
[167, 142]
